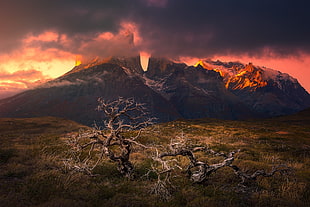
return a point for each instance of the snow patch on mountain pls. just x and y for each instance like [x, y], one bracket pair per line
[128, 71]
[61, 83]
[157, 86]
[277, 75]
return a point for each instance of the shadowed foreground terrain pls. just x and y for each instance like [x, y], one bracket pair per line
[32, 172]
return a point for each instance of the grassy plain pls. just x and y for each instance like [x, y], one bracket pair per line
[32, 172]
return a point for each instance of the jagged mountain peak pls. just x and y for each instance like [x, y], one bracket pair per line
[132, 63]
[159, 67]
[221, 64]
[203, 64]
[170, 90]
[238, 76]
[249, 77]
[86, 64]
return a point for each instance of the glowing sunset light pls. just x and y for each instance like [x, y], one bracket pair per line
[78, 60]
[105, 36]
[241, 73]
[11, 83]
[144, 59]
[219, 71]
[296, 66]
[37, 40]
[208, 84]
[47, 36]
[31, 66]
[200, 62]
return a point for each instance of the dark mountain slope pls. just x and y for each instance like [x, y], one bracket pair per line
[75, 95]
[194, 91]
[264, 90]
[170, 91]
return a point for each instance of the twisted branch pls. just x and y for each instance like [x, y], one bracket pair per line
[123, 116]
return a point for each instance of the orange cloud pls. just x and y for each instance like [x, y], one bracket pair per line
[51, 61]
[22, 75]
[50, 54]
[47, 36]
[31, 64]
[125, 42]
[12, 83]
[105, 36]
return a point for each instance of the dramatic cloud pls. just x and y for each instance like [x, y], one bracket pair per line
[167, 27]
[22, 75]
[32, 64]
[200, 28]
[56, 45]
[61, 29]
[11, 83]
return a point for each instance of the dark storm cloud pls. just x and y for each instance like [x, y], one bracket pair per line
[71, 17]
[168, 27]
[217, 27]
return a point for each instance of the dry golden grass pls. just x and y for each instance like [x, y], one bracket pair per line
[32, 172]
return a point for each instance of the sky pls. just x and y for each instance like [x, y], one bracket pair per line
[41, 39]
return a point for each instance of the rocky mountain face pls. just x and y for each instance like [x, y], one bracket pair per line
[75, 95]
[194, 91]
[170, 91]
[264, 90]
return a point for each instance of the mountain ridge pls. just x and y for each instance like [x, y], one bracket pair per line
[170, 91]
[255, 85]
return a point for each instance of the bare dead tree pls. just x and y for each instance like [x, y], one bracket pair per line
[197, 170]
[163, 170]
[125, 121]
[252, 177]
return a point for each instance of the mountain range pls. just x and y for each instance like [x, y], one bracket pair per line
[170, 90]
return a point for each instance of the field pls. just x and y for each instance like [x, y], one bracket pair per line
[32, 172]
